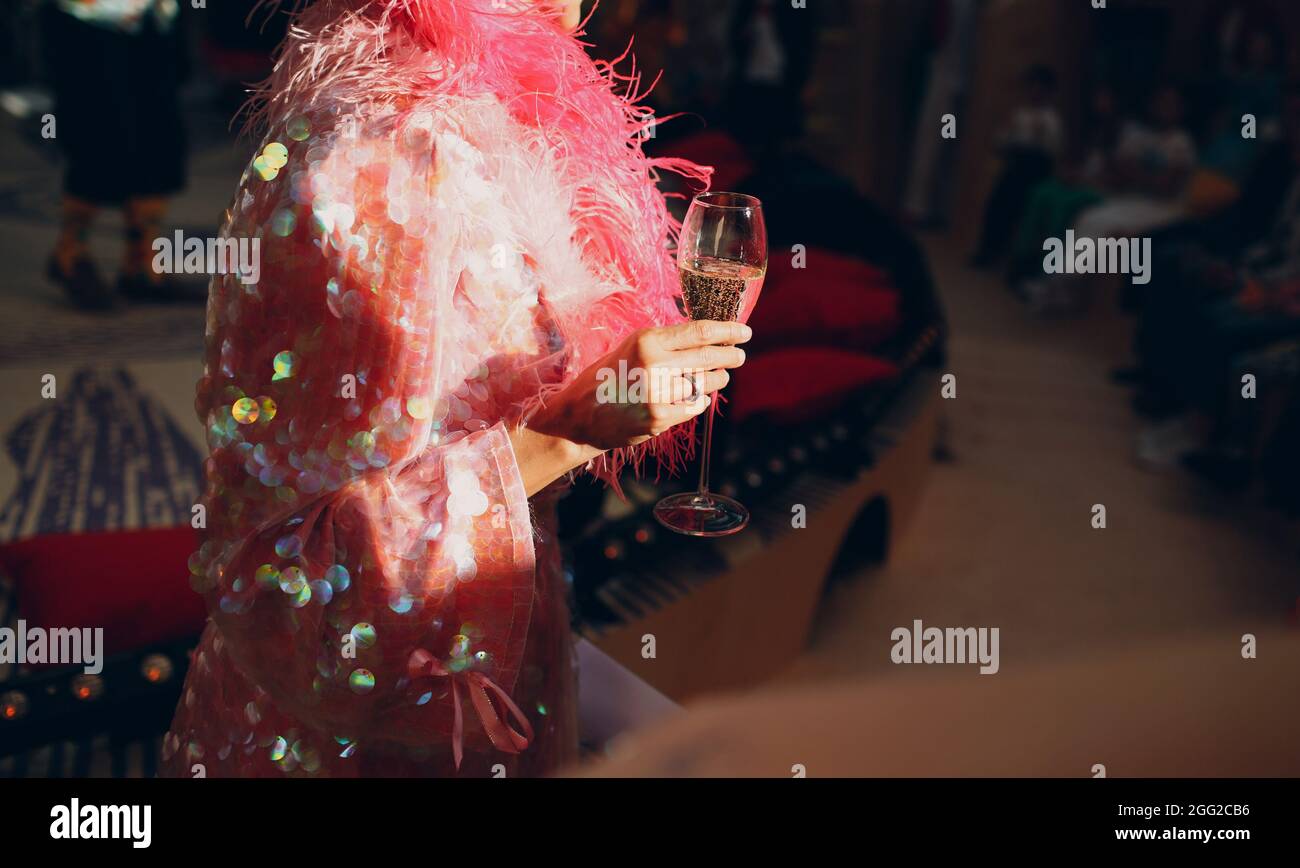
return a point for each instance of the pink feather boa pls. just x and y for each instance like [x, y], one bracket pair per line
[589, 115]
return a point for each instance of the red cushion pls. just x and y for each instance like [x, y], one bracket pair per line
[834, 300]
[730, 163]
[134, 584]
[799, 383]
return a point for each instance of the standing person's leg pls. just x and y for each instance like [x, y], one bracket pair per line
[1026, 248]
[72, 247]
[1022, 173]
[156, 144]
[143, 216]
[80, 59]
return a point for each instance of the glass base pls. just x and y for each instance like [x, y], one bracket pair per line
[696, 514]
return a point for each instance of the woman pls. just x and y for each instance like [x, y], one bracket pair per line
[458, 232]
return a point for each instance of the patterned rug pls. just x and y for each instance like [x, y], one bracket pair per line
[115, 447]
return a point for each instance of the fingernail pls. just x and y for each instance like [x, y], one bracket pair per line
[746, 332]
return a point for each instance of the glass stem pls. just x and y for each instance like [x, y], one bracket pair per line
[707, 445]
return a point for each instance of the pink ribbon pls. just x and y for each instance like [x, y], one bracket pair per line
[504, 738]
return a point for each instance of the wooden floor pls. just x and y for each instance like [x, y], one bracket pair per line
[1003, 535]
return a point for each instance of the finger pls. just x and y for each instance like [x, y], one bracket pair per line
[713, 381]
[685, 388]
[665, 416]
[707, 358]
[702, 332]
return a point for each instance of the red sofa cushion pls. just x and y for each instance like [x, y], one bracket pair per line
[134, 584]
[796, 384]
[834, 300]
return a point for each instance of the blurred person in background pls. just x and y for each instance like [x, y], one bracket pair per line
[1029, 145]
[1146, 180]
[773, 45]
[1077, 185]
[1153, 161]
[1254, 88]
[1209, 303]
[116, 66]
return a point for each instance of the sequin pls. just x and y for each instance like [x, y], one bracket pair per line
[285, 364]
[276, 154]
[266, 576]
[322, 591]
[299, 128]
[365, 635]
[361, 681]
[302, 597]
[279, 749]
[419, 408]
[338, 577]
[362, 441]
[292, 580]
[271, 476]
[264, 170]
[245, 411]
[284, 222]
[288, 546]
[307, 756]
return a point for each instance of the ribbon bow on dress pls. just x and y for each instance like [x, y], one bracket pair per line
[423, 664]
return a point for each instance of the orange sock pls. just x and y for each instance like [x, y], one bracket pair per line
[143, 222]
[74, 232]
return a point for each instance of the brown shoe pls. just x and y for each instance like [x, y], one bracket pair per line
[83, 284]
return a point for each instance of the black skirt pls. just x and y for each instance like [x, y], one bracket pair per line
[116, 108]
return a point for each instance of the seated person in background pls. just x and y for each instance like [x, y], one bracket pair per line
[1252, 91]
[1152, 164]
[1203, 310]
[1029, 146]
[1147, 177]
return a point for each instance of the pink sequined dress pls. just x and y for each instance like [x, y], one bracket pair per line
[452, 215]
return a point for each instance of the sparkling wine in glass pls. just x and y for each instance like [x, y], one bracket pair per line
[721, 260]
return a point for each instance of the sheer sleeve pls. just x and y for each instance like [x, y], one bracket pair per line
[369, 557]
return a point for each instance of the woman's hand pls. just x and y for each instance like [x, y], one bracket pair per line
[678, 367]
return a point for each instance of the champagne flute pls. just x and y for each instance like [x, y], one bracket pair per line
[721, 260]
